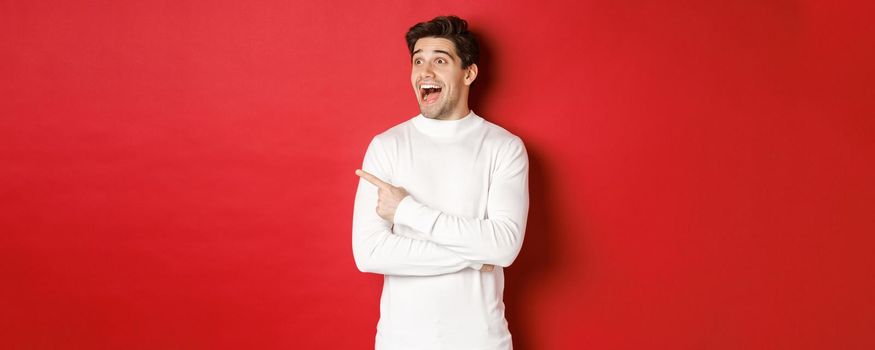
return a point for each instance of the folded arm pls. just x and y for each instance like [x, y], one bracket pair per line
[376, 249]
[498, 238]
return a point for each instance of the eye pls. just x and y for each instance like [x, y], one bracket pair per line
[417, 61]
[441, 60]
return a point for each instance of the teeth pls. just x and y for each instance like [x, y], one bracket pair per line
[428, 86]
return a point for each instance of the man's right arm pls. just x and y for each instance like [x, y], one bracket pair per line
[376, 249]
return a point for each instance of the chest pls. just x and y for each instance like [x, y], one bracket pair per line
[452, 177]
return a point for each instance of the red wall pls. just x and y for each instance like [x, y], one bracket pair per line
[179, 175]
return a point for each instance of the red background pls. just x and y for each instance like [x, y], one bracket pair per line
[179, 175]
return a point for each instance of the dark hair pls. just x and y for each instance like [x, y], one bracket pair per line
[452, 28]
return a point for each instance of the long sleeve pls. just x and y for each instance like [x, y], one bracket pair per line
[376, 249]
[496, 239]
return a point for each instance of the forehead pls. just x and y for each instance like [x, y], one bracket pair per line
[430, 44]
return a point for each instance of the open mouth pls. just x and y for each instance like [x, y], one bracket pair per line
[429, 92]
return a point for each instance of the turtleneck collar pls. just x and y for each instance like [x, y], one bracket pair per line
[446, 128]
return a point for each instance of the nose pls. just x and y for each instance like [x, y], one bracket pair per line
[426, 71]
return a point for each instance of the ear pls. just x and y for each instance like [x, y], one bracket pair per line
[470, 74]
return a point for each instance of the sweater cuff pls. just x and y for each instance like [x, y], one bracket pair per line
[416, 215]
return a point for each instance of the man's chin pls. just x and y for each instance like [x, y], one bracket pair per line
[429, 113]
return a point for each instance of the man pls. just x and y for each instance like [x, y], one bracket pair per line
[451, 197]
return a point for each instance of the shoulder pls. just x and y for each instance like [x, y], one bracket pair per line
[511, 157]
[382, 150]
[502, 138]
[390, 138]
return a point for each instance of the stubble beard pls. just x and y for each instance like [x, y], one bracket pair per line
[438, 110]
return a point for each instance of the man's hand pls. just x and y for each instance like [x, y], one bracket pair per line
[390, 196]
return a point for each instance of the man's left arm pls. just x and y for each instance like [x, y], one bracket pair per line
[498, 238]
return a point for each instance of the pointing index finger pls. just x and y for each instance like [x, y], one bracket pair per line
[371, 178]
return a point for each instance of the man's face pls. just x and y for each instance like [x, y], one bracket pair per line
[440, 83]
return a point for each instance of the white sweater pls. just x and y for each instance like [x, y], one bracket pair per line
[468, 203]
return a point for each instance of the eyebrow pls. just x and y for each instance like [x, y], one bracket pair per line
[438, 51]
